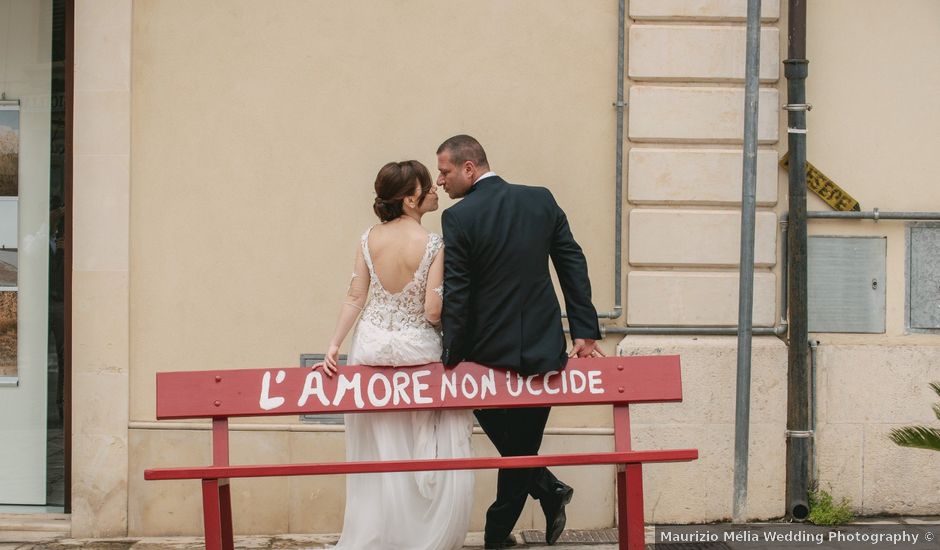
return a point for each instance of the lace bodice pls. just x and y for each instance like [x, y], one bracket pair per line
[403, 309]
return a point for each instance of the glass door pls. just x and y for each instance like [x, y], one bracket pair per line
[26, 246]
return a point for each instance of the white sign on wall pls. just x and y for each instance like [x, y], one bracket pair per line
[8, 221]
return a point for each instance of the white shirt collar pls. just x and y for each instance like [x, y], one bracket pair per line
[484, 176]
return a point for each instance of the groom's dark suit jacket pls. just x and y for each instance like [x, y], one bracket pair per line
[500, 308]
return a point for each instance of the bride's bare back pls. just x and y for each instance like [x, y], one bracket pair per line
[397, 248]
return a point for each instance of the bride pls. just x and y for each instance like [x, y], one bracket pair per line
[397, 287]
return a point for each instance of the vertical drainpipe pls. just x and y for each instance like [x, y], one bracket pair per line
[618, 202]
[742, 409]
[798, 431]
[617, 310]
[813, 472]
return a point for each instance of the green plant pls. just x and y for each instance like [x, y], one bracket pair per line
[822, 510]
[920, 437]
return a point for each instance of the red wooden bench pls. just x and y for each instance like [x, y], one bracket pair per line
[221, 395]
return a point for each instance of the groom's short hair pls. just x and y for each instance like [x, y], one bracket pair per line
[463, 148]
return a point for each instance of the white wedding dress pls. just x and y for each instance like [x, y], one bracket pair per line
[404, 510]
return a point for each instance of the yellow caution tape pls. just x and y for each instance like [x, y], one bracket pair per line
[826, 189]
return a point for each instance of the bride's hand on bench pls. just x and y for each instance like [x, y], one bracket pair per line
[330, 363]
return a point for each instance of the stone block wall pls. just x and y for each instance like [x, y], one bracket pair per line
[685, 163]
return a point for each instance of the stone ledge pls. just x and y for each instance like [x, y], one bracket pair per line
[700, 10]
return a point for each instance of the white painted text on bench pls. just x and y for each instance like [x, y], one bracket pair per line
[407, 386]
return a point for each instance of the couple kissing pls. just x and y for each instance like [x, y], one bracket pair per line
[485, 284]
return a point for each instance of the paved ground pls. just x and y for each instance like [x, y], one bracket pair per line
[900, 533]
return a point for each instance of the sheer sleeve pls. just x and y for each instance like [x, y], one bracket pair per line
[358, 289]
[355, 299]
[434, 295]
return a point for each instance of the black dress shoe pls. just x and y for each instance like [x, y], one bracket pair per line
[509, 542]
[554, 509]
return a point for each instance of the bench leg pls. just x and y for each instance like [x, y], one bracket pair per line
[630, 507]
[225, 510]
[211, 514]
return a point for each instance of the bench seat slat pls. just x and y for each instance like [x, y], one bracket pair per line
[470, 463]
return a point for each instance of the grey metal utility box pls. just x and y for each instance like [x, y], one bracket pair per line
[846, 278]
[307, 361]
[924, 277]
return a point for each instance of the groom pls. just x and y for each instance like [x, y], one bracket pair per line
[500, 310]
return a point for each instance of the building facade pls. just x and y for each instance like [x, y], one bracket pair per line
[223, 155]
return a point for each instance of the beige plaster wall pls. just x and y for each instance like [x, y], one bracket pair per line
[316, 504]
[873, 130]
[257, 131]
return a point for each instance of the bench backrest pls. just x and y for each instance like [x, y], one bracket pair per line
[291, 391]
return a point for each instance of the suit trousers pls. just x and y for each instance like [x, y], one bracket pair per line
[515, 432]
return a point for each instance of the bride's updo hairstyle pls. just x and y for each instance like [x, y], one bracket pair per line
[395, 181]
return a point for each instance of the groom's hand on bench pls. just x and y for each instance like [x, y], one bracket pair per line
[585, 347]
